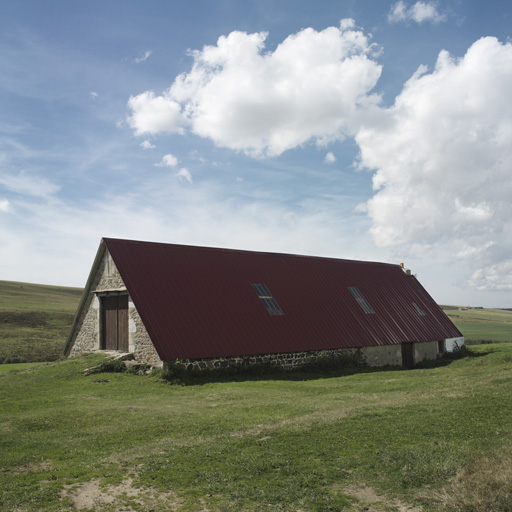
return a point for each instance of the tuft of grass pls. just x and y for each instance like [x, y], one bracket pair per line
[483, 485]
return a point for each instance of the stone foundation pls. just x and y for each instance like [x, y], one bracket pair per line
[374, 356]
[287, 361]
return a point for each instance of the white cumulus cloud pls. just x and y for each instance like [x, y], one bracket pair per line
[266, 102]
[442, 158]
[418, 12]
[155, 114]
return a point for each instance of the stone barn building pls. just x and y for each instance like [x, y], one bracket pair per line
[213, 308]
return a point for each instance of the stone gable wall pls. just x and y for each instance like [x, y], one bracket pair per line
[87, 332]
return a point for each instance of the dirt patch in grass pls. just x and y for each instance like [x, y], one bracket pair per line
[371, 501]
[34, 467]
[94, 496]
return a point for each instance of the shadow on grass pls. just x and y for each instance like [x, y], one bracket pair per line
[314, 372]
[449, 357]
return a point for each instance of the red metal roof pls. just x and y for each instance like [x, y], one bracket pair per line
[198, 302]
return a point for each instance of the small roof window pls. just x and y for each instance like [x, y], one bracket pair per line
[418, 309]
[266, 299]
[365, 306]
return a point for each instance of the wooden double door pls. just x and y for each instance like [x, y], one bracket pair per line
[114, 322]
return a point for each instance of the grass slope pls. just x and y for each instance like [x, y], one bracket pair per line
[435, 439]
[35, 320]
[482, 325]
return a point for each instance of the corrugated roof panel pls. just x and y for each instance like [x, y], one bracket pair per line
[198, 302]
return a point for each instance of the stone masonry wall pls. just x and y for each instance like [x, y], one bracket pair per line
[287, 361]
[142, 348]
[87, 332]
[382, 355]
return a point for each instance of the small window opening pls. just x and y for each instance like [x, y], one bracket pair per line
[418, 309]
[267, 300]
[365, 306]
[441, 346]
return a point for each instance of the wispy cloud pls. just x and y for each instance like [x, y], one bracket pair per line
[168, 161]
[330, 158]
[4, 205]
[28, 184]
[184, 175]
[204, 214]
[146, 144]
[419, 12]
[143, 57]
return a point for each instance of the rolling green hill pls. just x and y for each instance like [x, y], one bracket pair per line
[35, 320]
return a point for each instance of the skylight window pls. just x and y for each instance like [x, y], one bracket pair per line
[267, 300]
[361, 300]
[418, 309]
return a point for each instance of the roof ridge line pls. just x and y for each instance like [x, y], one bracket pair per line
[107, 240]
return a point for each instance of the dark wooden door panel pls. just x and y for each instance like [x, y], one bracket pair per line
[114, 321]
[109, 323]
[408, 355]
[122, 323]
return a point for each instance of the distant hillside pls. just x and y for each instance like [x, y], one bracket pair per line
[480, 325]
[35, 320]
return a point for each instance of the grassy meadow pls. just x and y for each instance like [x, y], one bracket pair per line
[437, 439]
[482, 325]
[432, 439]
[35, 320]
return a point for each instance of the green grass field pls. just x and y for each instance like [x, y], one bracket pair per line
[436, 439]
[35, 320]
[482, 325]
[16, 367]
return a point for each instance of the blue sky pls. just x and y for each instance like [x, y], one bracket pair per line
[365, 130]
